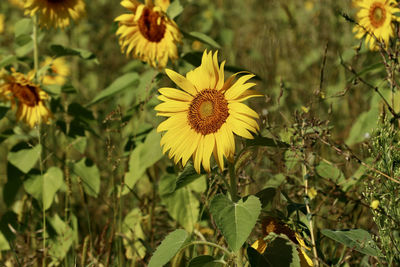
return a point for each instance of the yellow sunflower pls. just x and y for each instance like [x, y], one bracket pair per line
[2, 17]
[58, 71]
[27, 96]
[17, 3]
[375, 18]
[273, 225]
[147, 33]
[203, 117]
[55, 13]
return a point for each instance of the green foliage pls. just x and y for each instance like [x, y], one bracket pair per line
[89, 175]
[25, 159]
[235, 220]
[172, 243]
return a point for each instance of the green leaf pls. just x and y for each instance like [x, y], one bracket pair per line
[205, 261]
[266, 196]
[168, 248]
[256, 259]
[363, 127]
[7, 61]
[202, 38]
[14, 183]
[44, 187]
[282, 252]
[133, 232]
[235, 220]
[120, 84]
[89, 175]
[357, 239]
[265, 141]
[329, 171]
[188, 175]
[25, 159]
[61, 51]
[182, 205]
[61, 242]
[174, 9]
[142, 157]
[3, 243]
[23, 27]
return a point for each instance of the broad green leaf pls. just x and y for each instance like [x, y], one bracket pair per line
[14, 183]
[363, 127]
[23, 27]
[44, 187]
[142, 157]
[3, 243]
[124, 82]
[60, 243]
[205, 261]
[60, 51]
[7, 61]
[266, 197]
[292, 158]
[174, 9]
[202, 38]
[282, 252]
[25, 159]
[235, 220]
[132, 229]
[357, 239]
[265, 141]
[168, 248]
[188, 175]
[329, 171]
[89, 175]
[256, 259]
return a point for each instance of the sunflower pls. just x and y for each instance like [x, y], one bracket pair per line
[27, 96]
[203, 117]
[375, 19]
[58, 71]
[55, 13]
[273, 225]
[147, 33]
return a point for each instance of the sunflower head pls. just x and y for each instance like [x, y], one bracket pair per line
[55, 13]
[27, 97]
[147, 33]
[203, 117]
[58, 71]
[375, 21]
[274, 225]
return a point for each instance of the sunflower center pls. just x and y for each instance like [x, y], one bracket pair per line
[27, 95]
[151, 25]
[208, 111]
[377, 14]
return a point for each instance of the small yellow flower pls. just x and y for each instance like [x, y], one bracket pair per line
[375, 18]
[374, 204]
[27, 96]
[203, 117]
[312, 193]
[2, 18]
[273, 225]
[147, 33]
[58, 71]
[55, 13]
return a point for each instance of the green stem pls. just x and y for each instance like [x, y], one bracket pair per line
[35, 47]
[233, 182]
[193, 243]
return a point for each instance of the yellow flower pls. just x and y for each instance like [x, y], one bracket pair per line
[27, 96]
[17, 3]
[2, 17]
[273, 225]
[55, 13]
[58, 71]
[147, 33]
[203, 117]
[375, 18]
[312, 193]
[374, 204]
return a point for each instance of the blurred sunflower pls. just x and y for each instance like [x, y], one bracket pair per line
[58, 71]
[203, 117]
[27, 96]
[17, 3]
[375, 18]
[147, 33]
[55, 13]
[2, 23]
[273, 225]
